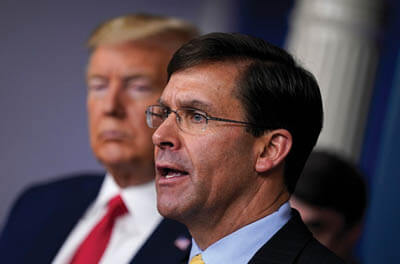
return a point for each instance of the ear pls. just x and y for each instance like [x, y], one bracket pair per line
[274, 147]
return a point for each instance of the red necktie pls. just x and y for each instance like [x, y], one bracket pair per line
[93, 247]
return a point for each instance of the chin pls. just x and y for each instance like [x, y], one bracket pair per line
[110, 159]
[169, 209]
[180, 210]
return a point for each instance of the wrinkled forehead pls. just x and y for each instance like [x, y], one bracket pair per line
[210, 87]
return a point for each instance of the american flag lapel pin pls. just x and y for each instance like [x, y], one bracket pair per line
[182, 243]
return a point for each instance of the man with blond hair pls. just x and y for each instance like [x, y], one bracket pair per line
[111, 218]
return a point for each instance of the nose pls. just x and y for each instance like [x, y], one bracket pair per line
[113, 103]
[167, 134]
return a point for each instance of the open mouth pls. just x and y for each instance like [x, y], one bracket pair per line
[168, 173]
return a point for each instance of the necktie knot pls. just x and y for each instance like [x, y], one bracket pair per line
[116, 207]
[197, 260]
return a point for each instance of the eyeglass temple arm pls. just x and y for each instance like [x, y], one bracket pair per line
[228, 120]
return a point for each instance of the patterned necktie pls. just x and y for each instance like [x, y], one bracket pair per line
[197, 260]
[92, 248]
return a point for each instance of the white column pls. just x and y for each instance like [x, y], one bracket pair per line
[337, 41]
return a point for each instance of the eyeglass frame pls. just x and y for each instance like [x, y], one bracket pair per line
[200, 112]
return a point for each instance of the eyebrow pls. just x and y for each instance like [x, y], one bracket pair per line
[127, 78]
[196, 104]
[96, 76]
[135, 77]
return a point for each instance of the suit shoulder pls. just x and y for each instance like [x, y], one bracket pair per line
[315, 252]
[44, 197]
[67, 180]
[64, 182]
[44, 214]
[47, 192]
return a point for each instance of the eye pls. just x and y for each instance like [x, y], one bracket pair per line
[159, 112]
[97, 85]
[139, 88]
[195, 117]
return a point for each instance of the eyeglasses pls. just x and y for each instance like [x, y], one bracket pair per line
[188, 119]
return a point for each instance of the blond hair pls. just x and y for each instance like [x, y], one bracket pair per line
[141, 26]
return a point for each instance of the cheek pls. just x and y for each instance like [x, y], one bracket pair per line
[137, 122]
[140, 132]
[235, 165]
[93, 106]
[216, 158]
[204, 153]
[136, 110]
[93, 117]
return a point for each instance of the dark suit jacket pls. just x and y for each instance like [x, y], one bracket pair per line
[294, 243]
[44, 215]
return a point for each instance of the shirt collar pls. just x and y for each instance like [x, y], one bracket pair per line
[250, 238]
[145, 193]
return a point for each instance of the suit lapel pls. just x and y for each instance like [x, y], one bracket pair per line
[169, 243]
[62, 215]
[286, 244]
[59, 216]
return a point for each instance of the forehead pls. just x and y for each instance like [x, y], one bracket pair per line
[212, 85]
[129, 58]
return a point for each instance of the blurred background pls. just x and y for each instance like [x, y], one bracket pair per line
[352, 47]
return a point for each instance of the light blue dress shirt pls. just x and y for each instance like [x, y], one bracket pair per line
[240, 246]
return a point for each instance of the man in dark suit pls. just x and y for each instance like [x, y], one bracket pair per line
[235, 125]
[111, 218]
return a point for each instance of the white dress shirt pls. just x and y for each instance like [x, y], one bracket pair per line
[130, 231]
[240, 246]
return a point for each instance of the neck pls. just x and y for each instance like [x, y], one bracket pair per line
[126, 176]
[266, 199]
